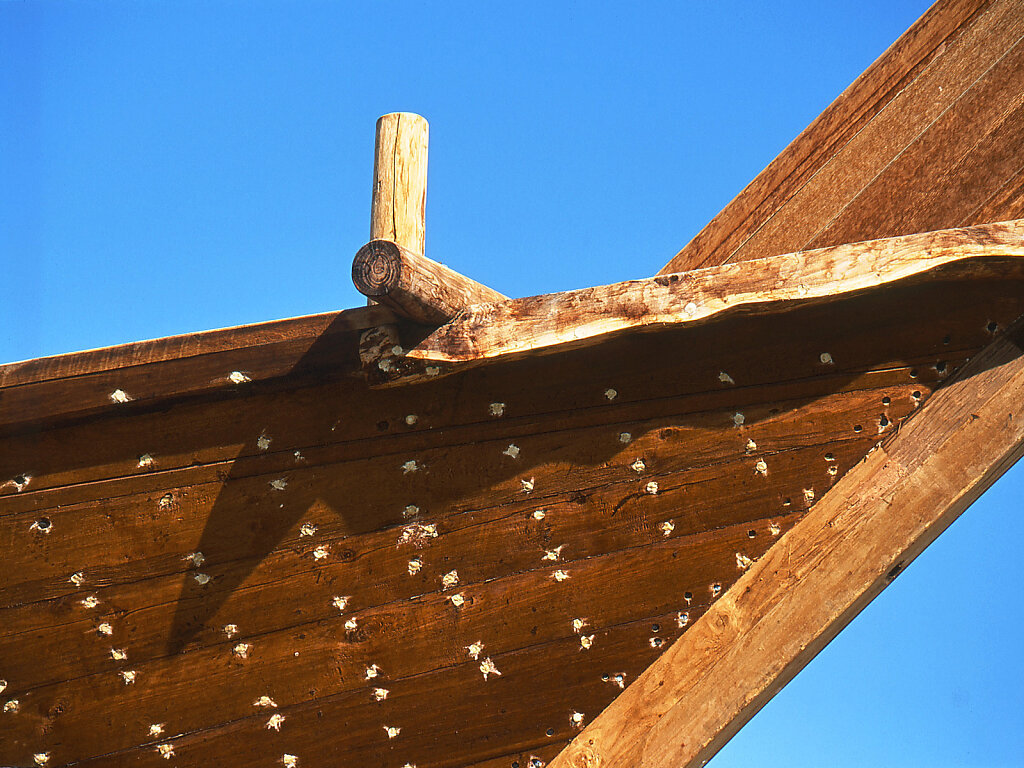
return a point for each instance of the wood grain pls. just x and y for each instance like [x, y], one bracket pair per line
[575, 318]
[851, 545]
[398, 202]
[935, 86]
[414, 286]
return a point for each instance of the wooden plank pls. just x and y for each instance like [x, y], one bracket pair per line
[876, 120]
[899, 328]
[150, 374]
[574, 318]
[852, 543]
[414, 286]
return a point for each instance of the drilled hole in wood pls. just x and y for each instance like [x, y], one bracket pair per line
[550, 731]
[916, 395]
[43, 524]
[883, 421]
[992, 327]
[751, 533]
[946, 339]
[886, 400]
[857, 428]
[913, 373]
[940, 366]
[655, 628]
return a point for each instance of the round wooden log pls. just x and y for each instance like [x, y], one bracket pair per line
[413, 285]
[397, 211]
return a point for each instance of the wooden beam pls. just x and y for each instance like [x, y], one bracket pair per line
[413, 285]
[930, 136]
[849, 547]
[398, 207]
[577, 318]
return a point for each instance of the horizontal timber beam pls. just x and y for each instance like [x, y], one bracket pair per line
[414, 286]
[560, 321]
[791, 603]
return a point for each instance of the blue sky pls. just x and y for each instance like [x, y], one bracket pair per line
[180, 166]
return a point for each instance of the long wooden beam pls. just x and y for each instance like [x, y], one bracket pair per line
[575, 318]
[848, 548]
[930, 136]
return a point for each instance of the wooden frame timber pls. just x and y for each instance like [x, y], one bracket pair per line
[577, 318]
[792, 602]
[600, 521]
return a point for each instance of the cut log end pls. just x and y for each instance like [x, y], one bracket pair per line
[377, 268]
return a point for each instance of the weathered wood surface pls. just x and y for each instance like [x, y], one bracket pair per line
[152, 373]
[700, 406]
[929, 137]
[398, 202]
[574, 318]
[414, 286]
[852, 544]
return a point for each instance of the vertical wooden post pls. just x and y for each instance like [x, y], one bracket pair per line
[397, 211]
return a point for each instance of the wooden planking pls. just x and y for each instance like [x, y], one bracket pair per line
[41, 392]
[883, 116]
[940, 326]
[851, 545]
[574, 318]
[342, 418]
[405, 641]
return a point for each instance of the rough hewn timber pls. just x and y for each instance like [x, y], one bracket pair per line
[849, 547]
[576, 318]
[414, 286]
[398, 203]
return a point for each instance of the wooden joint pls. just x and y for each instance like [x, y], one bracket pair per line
[414, 286]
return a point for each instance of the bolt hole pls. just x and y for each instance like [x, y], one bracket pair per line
[830, 457]
[940, 367]
[515, 764]
[913, 373]
[606, 678]
[886, 400]
[916, 394]
[688, 595]
[550, 731]
[751, 533]
[655, 628]
[43, 523]
[883, 421]
[787, 502]
[992, 327]
[857, 428]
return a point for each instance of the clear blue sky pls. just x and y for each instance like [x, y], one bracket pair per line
[179, 166]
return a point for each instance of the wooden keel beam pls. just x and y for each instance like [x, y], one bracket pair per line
[413, 285]
[850, 546]
[398, 207]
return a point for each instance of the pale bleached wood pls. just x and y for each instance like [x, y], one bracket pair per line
[819, 575]
[413, 285]
[398, 207]
[559, 321]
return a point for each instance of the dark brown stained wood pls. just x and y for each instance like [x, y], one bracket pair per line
[414, 286]
[851, 545]
[342, 418]
[575, 318]
[37, 393]
[565, 415]
[867, 166]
